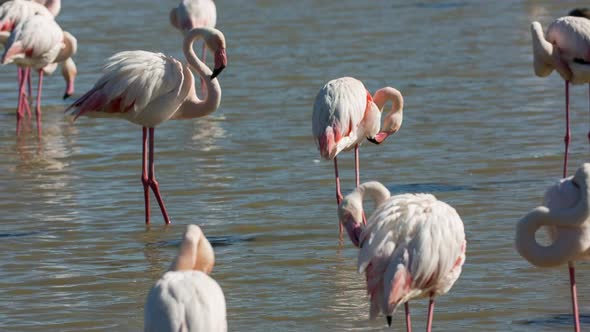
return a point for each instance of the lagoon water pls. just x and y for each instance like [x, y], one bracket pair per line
[480, 131]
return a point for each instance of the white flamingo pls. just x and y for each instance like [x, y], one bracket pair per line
[151, 88]
[564, 48]
[412, 246]
[38, 42]
[566, 215]
[186, 298]
[345, 113]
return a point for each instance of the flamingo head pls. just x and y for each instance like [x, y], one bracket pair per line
[215, 41]
[350, 214]
[392, 122]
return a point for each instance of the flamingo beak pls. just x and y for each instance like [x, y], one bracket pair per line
[379, 138]
[220, 62]
[388, 321]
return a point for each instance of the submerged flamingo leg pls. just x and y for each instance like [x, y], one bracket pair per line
[430, 313]
[144, 176]
[204, 59]
[38, 106]
[338, 194]
[567, 138]
[408, 318]
[357, 174]
[25, 105]
[152, 178]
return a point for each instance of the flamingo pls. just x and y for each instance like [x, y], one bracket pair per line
[412, 246]
[37, 42]
[186, 298]
[345, 113]
[566, 214]
[564, 48]
[190, 14]
[580, 12]
[150, 88]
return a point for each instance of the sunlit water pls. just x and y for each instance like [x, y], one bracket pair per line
[480, 132]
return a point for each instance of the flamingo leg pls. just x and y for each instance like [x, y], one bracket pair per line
[339, 196]
[144, 176]
[38, 106]
[20, 109]
[408, 318]
[567, 138]
[152, 178]
[29, 82]
[430, 313]
[574, 296]
[357, 174]
[204, 58]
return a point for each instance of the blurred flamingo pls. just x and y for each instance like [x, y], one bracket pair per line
[190, 14]
[412, 246]
[186, 298]
[345, 113]
[566, 215]
[151, 88]
[37, 42]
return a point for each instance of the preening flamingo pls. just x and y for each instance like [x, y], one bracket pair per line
[151, 88]
[412, 246]
[190, 14]
[564, 48]
[186, 298]
[345, 113]
[37, 42]
[566, 215]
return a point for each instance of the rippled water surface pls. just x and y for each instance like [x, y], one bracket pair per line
[480, 131]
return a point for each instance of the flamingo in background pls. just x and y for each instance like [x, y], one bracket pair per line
[186, 298]
[566, 214]
[151, 88]
[412, 246]
[564, 48]
[190, 14]
[38, 42]
[345, 113]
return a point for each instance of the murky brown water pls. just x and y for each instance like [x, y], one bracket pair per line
[480, 131]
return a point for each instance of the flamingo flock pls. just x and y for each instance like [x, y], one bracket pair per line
[411, 246]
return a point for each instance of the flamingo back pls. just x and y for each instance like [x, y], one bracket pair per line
[16, 11]
[185, 301]
[194, 14]
[413, 245]
[38, 40]
[133, 83]
[572, 37]
[338, 110]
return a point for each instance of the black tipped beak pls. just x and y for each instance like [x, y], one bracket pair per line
[217, 71]
[388, 321]
[67, 95]
[373, 140]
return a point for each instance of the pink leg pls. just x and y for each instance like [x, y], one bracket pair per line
[338, 194]
[408, 318]
[29, 82]
[25, 102]
[567, 137]
[20, 109]
[144, 176]
[38, 106]
[574, 296]
[357, 174]
[204, 58]
[430, 313]
[152, 178]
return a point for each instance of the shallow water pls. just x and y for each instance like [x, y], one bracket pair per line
[480, 131]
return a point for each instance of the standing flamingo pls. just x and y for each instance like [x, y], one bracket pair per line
[38, 42]
[190, 14]
[565, 48]
[344, 114]
[150, 88]
[566, 214]
[186, 298]
[412, 246]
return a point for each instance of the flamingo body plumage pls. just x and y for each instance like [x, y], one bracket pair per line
[186, 298]
[412, 246]
[190, 14]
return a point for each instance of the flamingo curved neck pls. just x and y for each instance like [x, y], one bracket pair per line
[395, 116]
[69, 49]
[542, 51]
[375, 190]
[194, 107]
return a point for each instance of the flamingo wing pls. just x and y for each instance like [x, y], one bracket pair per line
[572, 37]
[185, 301]
[38, 38]
[13, 12]
[133, 82]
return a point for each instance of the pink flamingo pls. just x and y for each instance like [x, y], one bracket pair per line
[566, 215]
[186, 298]
[412, 246]
[38, 42]
[190, 14]
[344, 114]
[564, 48]
[150, 88]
